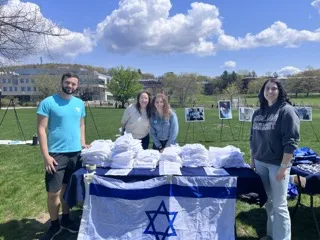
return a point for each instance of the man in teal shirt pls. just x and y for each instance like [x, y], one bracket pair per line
[63, 116]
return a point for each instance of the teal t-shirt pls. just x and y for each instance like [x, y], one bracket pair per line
[63, 123]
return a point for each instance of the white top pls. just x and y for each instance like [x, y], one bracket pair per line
[135, 123]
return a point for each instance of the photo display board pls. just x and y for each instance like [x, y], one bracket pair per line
[224, 108]
[194, 114]
[305, 113]
[245, 114]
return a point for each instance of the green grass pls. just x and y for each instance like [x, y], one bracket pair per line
[22, 190]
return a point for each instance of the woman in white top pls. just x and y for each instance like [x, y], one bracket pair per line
[135, 119]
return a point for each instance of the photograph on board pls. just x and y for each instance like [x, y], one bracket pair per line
[225, 111]
[194, 114]
[245, 114]
[305, 113]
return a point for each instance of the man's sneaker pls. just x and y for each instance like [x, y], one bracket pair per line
[69, 225]
[51, 233]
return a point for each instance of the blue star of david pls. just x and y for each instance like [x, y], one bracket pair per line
[152, 215]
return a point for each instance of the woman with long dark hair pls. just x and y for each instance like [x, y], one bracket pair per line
[135, 119]
[274, 136]
[164, 125]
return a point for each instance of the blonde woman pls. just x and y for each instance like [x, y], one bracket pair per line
[164, 125]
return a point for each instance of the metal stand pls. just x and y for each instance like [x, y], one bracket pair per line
[11, 103]
[193, 132]
[314, 132]
[94, 122]
[300, 204]
[241, 131]
[222, 128]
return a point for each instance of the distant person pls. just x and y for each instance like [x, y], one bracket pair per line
[135, 119]
[62, 115]
[164, 123]
[274, 136]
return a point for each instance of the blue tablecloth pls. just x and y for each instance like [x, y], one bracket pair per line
[248, 181]
[312, 183]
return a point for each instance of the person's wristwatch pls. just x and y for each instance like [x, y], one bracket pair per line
[282, 165]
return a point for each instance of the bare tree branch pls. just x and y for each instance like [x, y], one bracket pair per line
[24, 31]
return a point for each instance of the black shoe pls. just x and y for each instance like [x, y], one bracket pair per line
[51, 233]
[70, 226]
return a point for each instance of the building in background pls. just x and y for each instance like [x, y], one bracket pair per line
[20, 83]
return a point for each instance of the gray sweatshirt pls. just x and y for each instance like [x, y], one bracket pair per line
[274, 131]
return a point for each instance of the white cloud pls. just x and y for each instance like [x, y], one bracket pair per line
[288, 71]
[146, 25]
[316, 5]
[277, 34]
[69, 45]
[229, 64]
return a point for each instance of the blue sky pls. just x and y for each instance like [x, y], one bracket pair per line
[204, 37]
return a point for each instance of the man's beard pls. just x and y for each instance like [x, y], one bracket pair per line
[68, 90]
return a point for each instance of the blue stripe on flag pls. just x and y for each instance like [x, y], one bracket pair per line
[164, 190]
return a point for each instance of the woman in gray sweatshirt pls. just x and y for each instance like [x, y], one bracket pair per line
[274, 136]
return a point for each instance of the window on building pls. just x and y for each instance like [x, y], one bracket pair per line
[29, 89]
[21, 80]
[4, 80]
[23, 88]
[34, 89]
[27, 80]
[4, 89]
[16, 89]
[15, 82]
[10, 89]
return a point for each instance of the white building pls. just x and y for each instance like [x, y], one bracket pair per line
[20, 83]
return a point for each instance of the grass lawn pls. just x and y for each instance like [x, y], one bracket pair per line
[23, 211]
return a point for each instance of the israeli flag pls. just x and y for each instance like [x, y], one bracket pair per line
[168, 207]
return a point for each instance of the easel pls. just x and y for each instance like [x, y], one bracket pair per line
[87, 105]
[193, 132]
[11, 103]
[221, 125]
[242, 127]
[314, 132]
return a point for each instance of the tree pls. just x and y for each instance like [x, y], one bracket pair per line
[253, 74]
[124, 84]
[293, 85]
[147, 76]
[183, 86]
[21, 30]
[47, 84]
[255, 85]
[86, 92]
[231, 90]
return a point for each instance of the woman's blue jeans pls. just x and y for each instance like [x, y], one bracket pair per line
[278, 223]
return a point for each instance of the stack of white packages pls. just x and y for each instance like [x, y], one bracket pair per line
[125, 150]
[147, 159]
[171, 154]
[194, 155]
[227, 157]
[99, 153]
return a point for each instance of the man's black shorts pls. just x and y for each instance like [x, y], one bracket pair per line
[68, 163]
